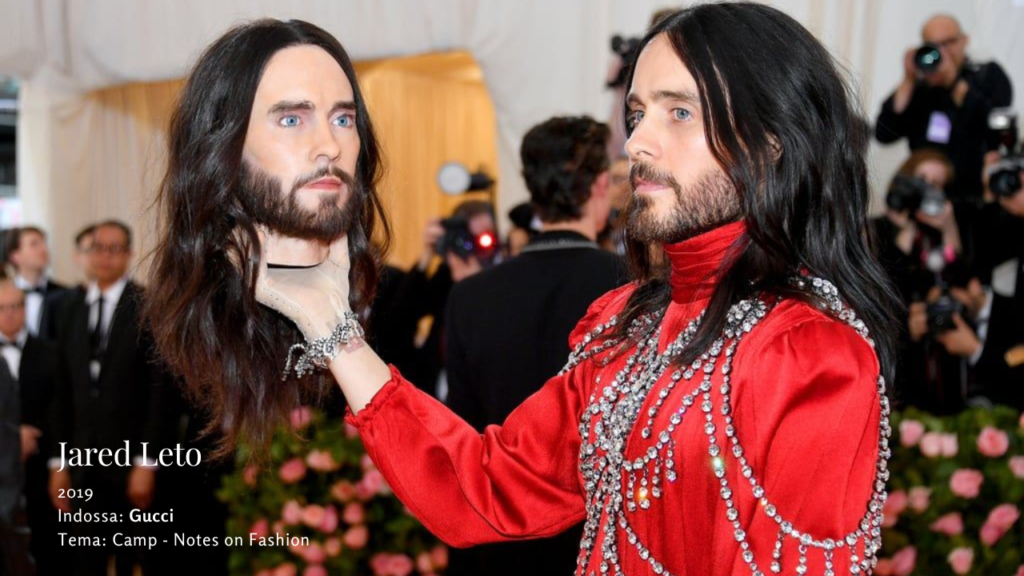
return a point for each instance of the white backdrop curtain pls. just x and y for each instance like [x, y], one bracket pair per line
[80, 160]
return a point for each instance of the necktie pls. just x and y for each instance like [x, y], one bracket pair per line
[96, 337]
[36, 290]
[5, 343]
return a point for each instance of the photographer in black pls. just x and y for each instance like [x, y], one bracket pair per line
[998, 344]
[943, 103]
[467, 243]
[920, 245]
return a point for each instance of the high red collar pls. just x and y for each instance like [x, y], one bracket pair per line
[697, 262]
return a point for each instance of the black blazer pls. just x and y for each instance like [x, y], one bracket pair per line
[53, 300]
[126, 401]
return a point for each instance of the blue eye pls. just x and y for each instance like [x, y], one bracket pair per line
[289, 121]
[634, 118]
[345, 121]
[681, 114]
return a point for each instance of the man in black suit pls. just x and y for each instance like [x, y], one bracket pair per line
[537, 298]
[110, 391]
[14, 556]
[27, 252]
[32, 364]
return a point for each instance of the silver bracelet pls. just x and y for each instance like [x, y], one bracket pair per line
[317, 354]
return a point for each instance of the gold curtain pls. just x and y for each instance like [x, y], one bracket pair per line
[427, 110]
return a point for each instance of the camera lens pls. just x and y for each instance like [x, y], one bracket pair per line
[927, 58]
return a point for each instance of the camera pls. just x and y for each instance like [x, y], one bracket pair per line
[927, 58]
[940, 314]
[626, 49]
[458, 240]
[1004, 176]
[911, 193]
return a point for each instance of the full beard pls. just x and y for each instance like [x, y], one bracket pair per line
[262, 197]
[701, 207]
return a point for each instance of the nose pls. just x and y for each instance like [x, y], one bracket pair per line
[325, 144]
[642, 144]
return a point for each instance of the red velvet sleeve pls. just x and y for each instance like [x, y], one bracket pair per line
[517, 480]
[812, 430]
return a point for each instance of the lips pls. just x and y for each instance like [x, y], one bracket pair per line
[642, 186]
[331, 184]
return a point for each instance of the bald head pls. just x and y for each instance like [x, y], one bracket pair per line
[940, 26]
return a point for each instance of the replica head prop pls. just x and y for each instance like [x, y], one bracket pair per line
[271, 133]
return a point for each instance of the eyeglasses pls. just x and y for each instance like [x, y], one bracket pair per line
[11, 307]
[113, 249]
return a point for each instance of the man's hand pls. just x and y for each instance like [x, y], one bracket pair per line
[462, 268]
[917, 323]
[973, 297]
[60, 480]
[315, 297]
[960, 341]
[29, 440]
[432, 232]
[141, 485]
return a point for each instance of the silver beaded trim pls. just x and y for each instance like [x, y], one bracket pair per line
[317, 354]
[612, 414]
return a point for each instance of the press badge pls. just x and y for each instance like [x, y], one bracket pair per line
[939, 127]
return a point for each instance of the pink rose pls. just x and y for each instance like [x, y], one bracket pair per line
[993, 442]
[343, 491]
[894, 505]
[951, 524]
[298, 549]
[439, 555]
[260, 528]
[990, 534]
[316, 570]
[292, 471]
[313, 515]
[300, 417]
[1017, 466]
[1020, 423]
[400, 565]
[330, 521]
[278, 527]
[884, 567]
[291, 514]
[910, 432]
[332, 546]
[367, 463]
[423, 563]
[351, 431]
[356, 537]
[371, 485]
[321, 461]
[961, 560]
[931, 446]
[285, 569]
[315, 553]
[903, 562]
[379, 564]
[1004, 515]
[920, 498]
[250, 474]
[353, 514]
[966, 483]
[1020, 569]
[950, 445]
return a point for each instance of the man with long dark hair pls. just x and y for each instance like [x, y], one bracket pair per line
[270, 141]
[725, 413]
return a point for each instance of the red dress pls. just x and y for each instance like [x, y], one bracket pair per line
[804, 401]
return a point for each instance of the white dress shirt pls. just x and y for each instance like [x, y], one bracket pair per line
[12, 354]
[111, 296]
[33, 302]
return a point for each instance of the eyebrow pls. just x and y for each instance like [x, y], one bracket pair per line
[295, 105]
[684, 96]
